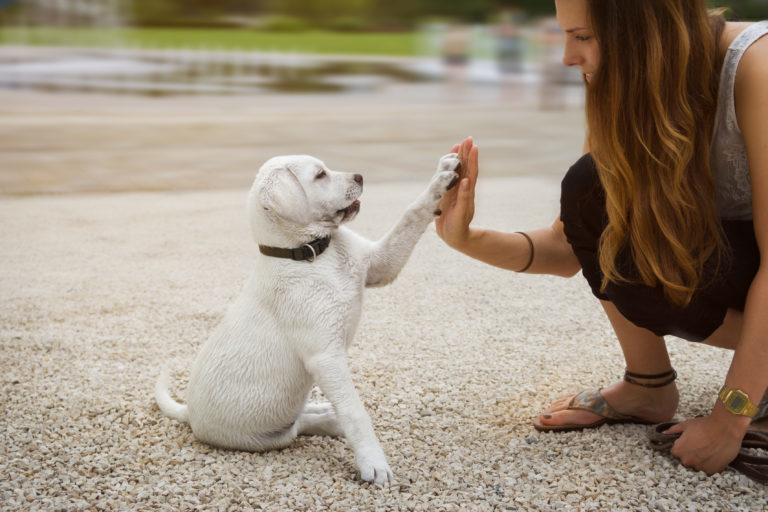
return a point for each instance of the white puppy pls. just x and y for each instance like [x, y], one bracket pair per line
[297, 314]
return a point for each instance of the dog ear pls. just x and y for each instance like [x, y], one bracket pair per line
[282, 193]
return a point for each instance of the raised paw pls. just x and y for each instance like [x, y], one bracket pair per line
[446, 177]
[449, 162]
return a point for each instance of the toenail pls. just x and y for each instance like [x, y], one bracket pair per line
[546, 416]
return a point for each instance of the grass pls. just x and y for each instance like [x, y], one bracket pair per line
[312, 41]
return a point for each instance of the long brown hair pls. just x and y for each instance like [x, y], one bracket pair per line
[650, 113]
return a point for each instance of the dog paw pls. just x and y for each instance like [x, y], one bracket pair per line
[446, 177]
[376, 470]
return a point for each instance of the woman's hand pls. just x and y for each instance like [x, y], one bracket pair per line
[458, 205]
[710, 443]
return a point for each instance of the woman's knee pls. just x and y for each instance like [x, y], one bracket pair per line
[728, 333]
[648, 308]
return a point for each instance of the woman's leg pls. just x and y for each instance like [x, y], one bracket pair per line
[644, 353]
[727, 335]
[712, 317]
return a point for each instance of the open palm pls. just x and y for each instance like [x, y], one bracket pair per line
[458, 205]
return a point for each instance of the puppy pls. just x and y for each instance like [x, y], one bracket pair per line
[296, 317]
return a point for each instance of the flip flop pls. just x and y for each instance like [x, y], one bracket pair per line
[591, 401]
[749, 465]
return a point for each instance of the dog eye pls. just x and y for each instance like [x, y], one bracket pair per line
[321, 174]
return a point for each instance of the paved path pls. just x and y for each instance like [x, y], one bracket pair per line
[452, 361]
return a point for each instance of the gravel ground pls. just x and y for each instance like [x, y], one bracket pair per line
[452, 361]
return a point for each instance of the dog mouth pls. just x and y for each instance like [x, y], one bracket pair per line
[350, 210]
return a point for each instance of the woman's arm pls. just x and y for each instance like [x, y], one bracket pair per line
[511, 251]
[749, 369]
[710, 443]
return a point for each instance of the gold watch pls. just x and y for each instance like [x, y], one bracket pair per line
[737, 402]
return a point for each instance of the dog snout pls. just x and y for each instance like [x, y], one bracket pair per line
[358, 179]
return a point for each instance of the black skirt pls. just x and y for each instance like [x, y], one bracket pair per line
[582, 211]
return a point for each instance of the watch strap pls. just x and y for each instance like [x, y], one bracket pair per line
[737, 402]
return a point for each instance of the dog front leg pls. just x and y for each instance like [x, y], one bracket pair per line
[332, 375]
[389, 254]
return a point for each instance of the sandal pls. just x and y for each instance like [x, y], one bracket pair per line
[592, 401]
[751, 466]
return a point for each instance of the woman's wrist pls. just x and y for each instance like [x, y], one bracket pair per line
[463, 243]
[733, 425]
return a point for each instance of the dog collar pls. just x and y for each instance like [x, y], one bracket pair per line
[306, 252]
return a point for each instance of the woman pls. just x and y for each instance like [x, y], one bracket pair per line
[666, 214]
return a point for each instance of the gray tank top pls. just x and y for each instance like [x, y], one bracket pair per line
[728, 157]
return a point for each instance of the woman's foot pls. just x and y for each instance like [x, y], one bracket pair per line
[654, 405]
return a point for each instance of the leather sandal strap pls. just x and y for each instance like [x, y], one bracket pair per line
[754, 438]
[592, 401]
[751, 466]
[661, 441]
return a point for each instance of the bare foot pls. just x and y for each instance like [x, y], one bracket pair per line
[655, 405]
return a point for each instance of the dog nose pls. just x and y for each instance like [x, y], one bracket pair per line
[358, 178]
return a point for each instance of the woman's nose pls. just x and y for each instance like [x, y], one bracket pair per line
[571, 57]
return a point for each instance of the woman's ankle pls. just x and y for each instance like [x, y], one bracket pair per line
[654, 404]
[650, 380]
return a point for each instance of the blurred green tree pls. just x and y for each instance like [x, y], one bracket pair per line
[370, 13]
[319, 9]
[175, 12]
[745, 9]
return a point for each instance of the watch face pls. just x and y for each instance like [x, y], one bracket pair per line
[738, 402]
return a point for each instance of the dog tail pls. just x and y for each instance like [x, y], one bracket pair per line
[168, 405]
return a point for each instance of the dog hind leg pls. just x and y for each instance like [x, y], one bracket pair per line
[318, 407]
[318, 420]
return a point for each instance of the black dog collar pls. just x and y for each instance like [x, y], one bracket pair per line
[307, 252]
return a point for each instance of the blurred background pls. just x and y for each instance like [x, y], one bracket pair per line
[93, 93]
